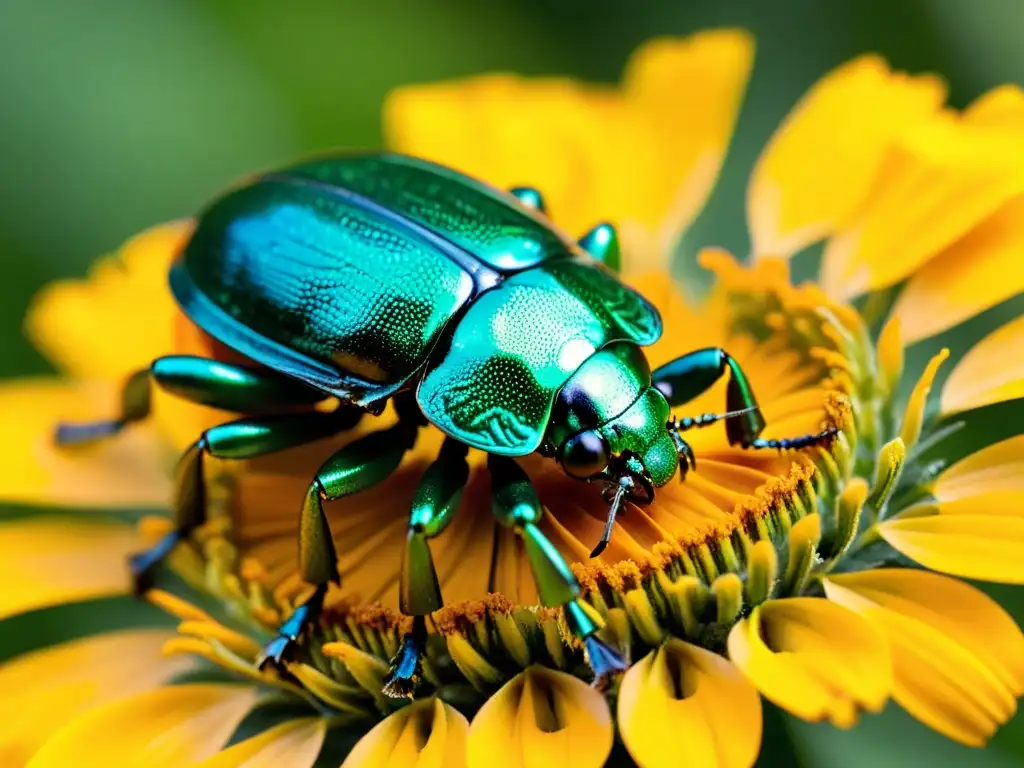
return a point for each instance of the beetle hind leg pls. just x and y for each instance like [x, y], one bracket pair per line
[200, 380]
[516, 506]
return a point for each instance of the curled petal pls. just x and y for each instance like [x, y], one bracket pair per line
[639, 154]
[80, 674]
[683, 705]
[990, 372]
[166, 728]
[816, 659]
[958, 658]
[976, 546]
[295, 743]
[936, 183]
[976, 272]
[820, 162]
[426, 734]
[540, 718]
[990, 481]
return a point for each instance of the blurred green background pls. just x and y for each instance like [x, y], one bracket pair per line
[118, 114]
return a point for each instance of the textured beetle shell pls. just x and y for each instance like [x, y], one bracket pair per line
[495, 385]
[350, 274]
[488, 223]
[315, 274]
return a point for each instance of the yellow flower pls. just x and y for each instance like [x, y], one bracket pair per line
[812, 578]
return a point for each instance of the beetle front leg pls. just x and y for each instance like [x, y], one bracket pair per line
[433, 507]
[516, 506]
[354, 468]
[240, 439]
[199, 380]
[686, 377]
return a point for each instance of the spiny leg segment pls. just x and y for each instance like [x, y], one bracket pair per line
[354, 468]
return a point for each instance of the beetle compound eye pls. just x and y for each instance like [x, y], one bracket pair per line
[585, 455]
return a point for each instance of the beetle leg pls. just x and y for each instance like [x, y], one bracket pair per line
[529, 197]
[354, 468]
[241, 439]
[515, 505]
[433, 507]
[602, 242]
[200, 380]
[688, 376]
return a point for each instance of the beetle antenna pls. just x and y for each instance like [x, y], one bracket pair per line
[705, 419]
[613, 510]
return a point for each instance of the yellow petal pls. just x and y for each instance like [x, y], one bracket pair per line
[295, 744]
[961, 612]
[975, 546]
[426, 734]
[166, 728]
[992, 371]
[642, 155]
[541, 718]
[683, 705]
[938, 182]
[47, 561]
[120, 317]
[820, 162]
[976, 272]
[958, 658]
[814, 658]
[1001, 107]
[128, 471]
[78, 675]
[993, 477]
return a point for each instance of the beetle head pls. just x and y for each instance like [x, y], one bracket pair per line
[608, 422]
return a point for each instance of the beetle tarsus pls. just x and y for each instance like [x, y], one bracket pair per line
[406, 669]
[787, 443]
[143, 564]
[275, 652]
[68, 434]
[604, 660]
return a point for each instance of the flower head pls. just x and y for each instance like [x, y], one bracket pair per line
[813, 578]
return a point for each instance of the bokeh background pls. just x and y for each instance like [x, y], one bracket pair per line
[118, 114]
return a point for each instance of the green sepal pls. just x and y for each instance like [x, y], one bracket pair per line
[556, 584]
[602, 242]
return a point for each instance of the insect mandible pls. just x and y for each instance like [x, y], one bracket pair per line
[374, 277]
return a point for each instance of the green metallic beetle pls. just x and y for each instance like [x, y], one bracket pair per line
[374, 277]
